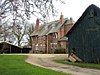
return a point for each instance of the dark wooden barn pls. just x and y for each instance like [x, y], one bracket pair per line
[84, 37]
[6, 47]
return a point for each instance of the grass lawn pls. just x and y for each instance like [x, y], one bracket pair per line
[16, 65]
[84, 65]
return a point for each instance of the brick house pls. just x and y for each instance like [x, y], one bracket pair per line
[47, 37]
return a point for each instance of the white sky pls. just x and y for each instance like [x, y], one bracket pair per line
[73, 8]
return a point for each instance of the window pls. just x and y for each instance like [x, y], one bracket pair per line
[51, 45]
[53, 35]
[40, 46]
[36, 46]
[92, 13]
[55, 45]
[56, 35]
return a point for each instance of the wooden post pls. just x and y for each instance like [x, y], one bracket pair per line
[10, 48]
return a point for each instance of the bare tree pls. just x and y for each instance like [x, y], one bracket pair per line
[28, 7]
[17, 11]
[4, 31]
[30, 30]
[19, 32]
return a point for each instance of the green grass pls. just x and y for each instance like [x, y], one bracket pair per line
[16, 65]
[84, 65]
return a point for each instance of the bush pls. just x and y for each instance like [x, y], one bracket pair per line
[60, 51]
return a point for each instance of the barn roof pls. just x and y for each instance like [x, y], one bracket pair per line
[92, 6]
[2, 42]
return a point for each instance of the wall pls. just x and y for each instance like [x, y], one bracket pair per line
[85, 38]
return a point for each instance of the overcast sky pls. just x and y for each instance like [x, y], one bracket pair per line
[73, 8]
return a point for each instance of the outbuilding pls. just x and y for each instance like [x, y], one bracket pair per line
[84, 36]
[6, 47]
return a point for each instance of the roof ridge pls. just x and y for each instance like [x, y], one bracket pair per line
[51, 24]
[83, 14]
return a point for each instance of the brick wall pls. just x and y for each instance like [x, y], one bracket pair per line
[67, 28]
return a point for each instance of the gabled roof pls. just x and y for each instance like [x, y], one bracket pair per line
[37, 33]
[50, 27]
[1, 42]
[92, 6]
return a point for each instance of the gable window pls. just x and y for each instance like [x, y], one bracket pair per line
[92, 13]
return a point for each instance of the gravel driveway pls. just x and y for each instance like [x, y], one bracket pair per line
[45, 60]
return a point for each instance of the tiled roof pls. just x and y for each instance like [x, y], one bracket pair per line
[34, 33]
[50, 27]
[43, 31]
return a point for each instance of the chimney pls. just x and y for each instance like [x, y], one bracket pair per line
[71, 20]
[61, 18]
[37, 28]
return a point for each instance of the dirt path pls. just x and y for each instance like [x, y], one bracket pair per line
[45, 60]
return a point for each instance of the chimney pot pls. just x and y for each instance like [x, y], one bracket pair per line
[61, 18]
